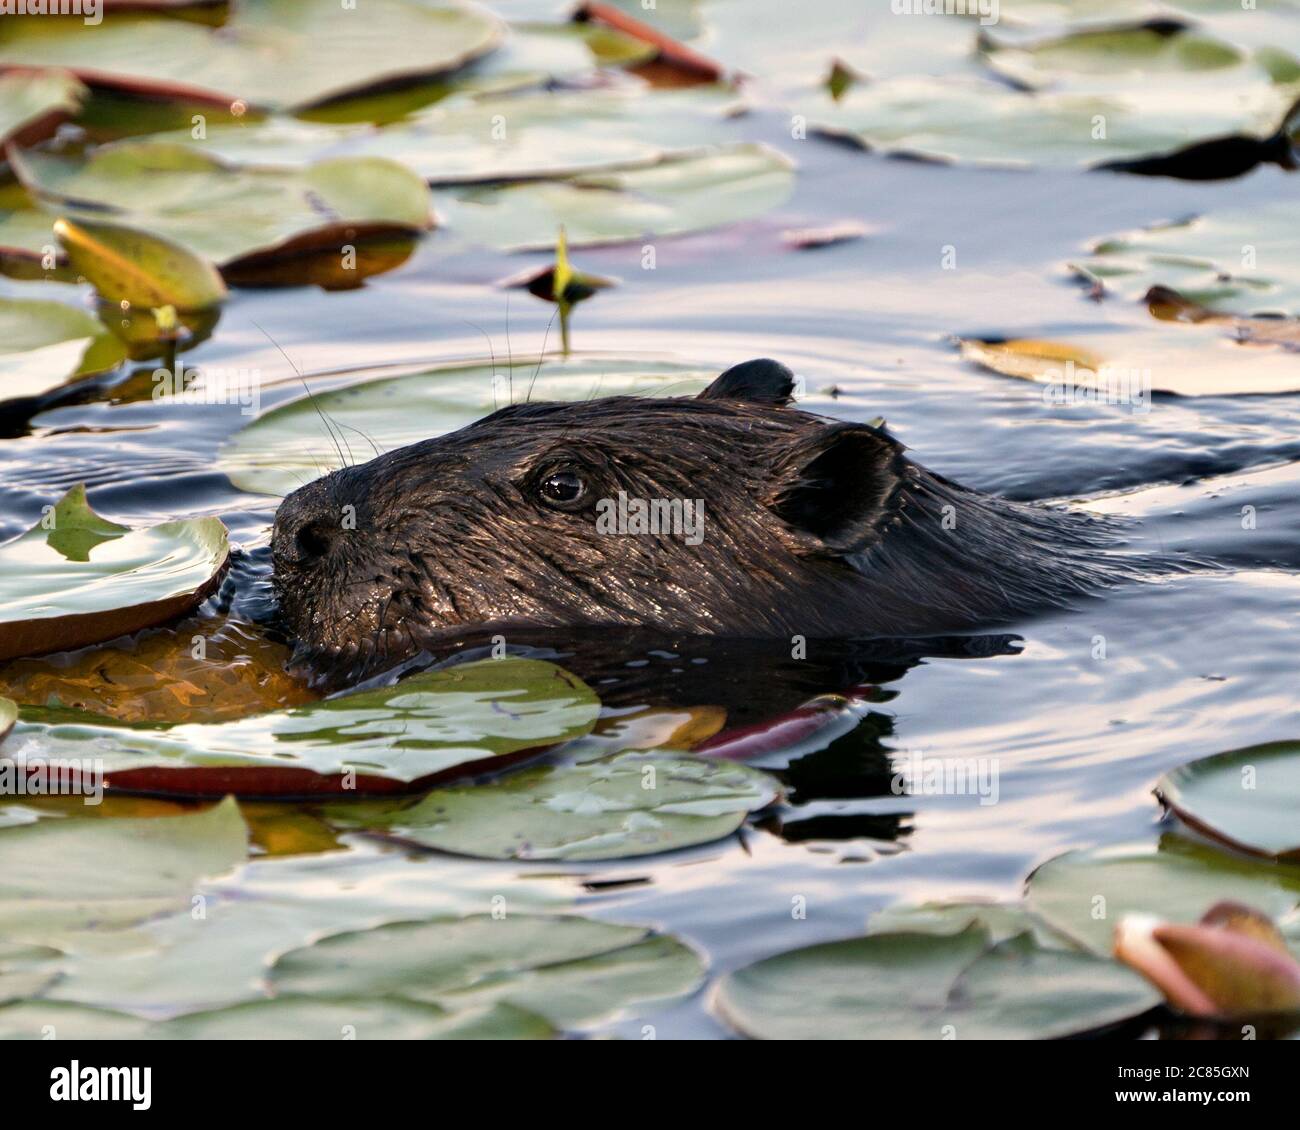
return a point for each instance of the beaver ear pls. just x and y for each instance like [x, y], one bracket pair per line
[836, 485]
[762, 381]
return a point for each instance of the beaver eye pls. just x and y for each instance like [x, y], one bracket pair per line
[562, 488]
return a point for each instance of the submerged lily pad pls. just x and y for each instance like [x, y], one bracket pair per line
[923, 985]
[1239, 260]
[43, 344]
[1248, 798]
[572, 971]
[75, 578]
[1085, 894]
[33, 103]
[449, 722]
[677, 196]
[286, 446]
[183, 195]
[268, 53]
[58, 877]
[617, 808]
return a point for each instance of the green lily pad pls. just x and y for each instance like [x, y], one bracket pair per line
[32, 103]
[8, 716]
[1000, 920]
[59, 877]
[287, 446]
[268, 53]
[517, 136]
[1246, 797]
[931, 986]
[572, 971]
[283, 1018]
[432, 723]
[126, 265]
[307, 1018]
[679, 195]
[969, 119]
[59, 1020]
[1084, 894]
[26, 970]
[75, 579]
[617, 808]
[44, 344]
[182, 195]
[1239, 260]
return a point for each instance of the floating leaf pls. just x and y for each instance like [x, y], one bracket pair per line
[305, 1018]
[76, 579]
[8, 716]
[619, 808]
[33, 103]
[433, 726]
[1245, 797]
[1074, 123]
[268, 53]
[285, 446]
[518, 136]
[58, 877]
[43, 344]
[933, 986]
[573, 971]
[1237, 261]
[674, 197]
[1085, 894]
[1122, 364]
[182, 196]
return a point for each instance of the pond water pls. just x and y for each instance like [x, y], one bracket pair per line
[1079, 721]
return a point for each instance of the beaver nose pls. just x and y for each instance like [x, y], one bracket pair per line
[306, 530]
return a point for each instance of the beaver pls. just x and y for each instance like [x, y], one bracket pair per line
[788, 526]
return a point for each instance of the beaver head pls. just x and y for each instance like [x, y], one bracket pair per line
[729, 514]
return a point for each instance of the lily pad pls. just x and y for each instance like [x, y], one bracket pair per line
[44, 344]
[33, 103]
[182, 195]
[932, 986]
[126, 265]
[573, 971]
[1239, 260]
[1245, 797]
[284, 1018]
[1085, 894]
[1123, 363]
[619, 808]
[75, 578]
[435, 725]
[307, 1018]
[516, 136]
[1077, 123]
[8, 716]
[58, 877]
[286, 446]
[268, 53]
[677, 196]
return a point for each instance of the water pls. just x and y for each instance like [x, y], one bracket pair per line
[1193, 664]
